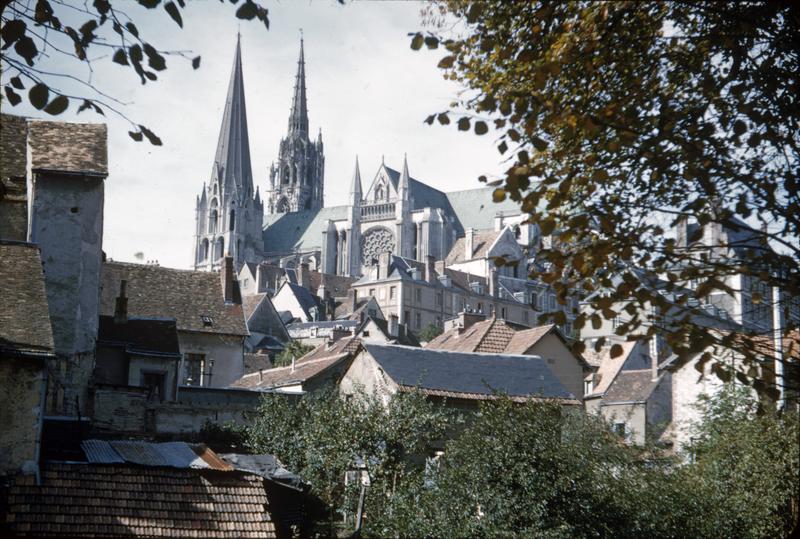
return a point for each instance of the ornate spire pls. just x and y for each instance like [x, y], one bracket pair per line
[232, 160]
[404, 179]
[355, 186]
[298, 118]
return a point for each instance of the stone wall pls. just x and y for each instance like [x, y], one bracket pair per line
[22, 380]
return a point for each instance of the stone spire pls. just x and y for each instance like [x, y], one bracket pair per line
[232, 160]
[298, 117]
[402, 188]
[355, 186]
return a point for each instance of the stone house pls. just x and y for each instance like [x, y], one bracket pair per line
[26, 345]
[207, 308]
[296, 303]
[267, 332]
[476, 333]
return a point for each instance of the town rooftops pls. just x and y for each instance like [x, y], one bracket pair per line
[631, 387]
[481, 243]
[144, 336]
[68, 147]
[468, 375]
[300, 372]
[193, 298]
[24, 315]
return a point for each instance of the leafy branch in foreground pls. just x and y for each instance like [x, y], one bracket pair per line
[34, 31]
[622, 122]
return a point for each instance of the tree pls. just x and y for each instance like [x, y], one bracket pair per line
[294, 350]
[31, 31]
[429, 332]
[622, 120]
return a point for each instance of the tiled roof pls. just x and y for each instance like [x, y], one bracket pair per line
[256, 362]
[631, 386]
[491, 335]
[13, 146]
[522, 341]
[335, 285]
[250, 303]
[140, 335]
[345, 345]
[68, 147]
[284, 376]
[122, 500]
[187, 296]
[24, 315]
[468, 373]
[481, 243]
[609, 367]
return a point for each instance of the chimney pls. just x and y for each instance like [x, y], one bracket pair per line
[430, 273]
[384, 261]
[469, 242]
[352, 298]
[226, 274]
[493, 282]
[260, 375]
[466, 320]
[393, 326]
[682, 231]
[121, 306]
[303, 277]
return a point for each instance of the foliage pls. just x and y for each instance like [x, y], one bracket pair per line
[323, 435]
[622, 120]
[293, 350]
[33, 30]
[429, 332]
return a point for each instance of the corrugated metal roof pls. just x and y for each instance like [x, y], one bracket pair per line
[100, 452]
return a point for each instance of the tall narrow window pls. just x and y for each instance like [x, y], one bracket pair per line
[232, 221]
[193, 369]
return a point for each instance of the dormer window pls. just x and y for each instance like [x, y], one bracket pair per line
[207, 320]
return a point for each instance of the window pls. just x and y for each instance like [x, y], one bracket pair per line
[418, 293]
[154, 382]
[207, 320]
[480, 307]
[525, 316]
[418, 320]
[193, 369]
[587, 387]
[392, 291]
[619, 429]
[439, 299]
[372, 292]
[552, 302]
[232, 221]
[406, 317]
[502, 312]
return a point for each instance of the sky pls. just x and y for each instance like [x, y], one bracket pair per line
[367, 91]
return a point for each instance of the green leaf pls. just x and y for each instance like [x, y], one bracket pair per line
[38, 95]
[172, 9]
[26, 48]
[431, 42]
[12, 31]
[136, 135]
[12, 96]
[463, 124]
[154, 140]
[499, 195]
[443, 118]
[481, 128]
[502, 147]
[539, 144]
[446, 62]
[16, 83]
[57, 105]
[132, 29]
[416, 41]
[616, 351]
[120, 57]
[154, 59]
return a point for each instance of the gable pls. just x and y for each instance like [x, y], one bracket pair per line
[505, 245]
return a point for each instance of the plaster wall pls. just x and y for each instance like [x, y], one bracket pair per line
[227, 351]
[562, 362]
[21, 409]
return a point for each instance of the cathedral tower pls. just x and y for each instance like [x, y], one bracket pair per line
[296, 178]
[229, 213]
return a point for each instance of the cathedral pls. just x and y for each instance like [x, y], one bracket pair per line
[395, 213]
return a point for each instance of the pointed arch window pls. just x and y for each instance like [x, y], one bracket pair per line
[219, 248]
[232, 221]
[202, 253]
[379, 192]
[286, 174]
[213, 216]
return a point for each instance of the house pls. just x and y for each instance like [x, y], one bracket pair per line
[476, 252]
[471, 332]
[296, 303]
[26, 347]
[267, 331]
[462, 378]
[207, 309]
[132, 488]
[139, 352]
[632, 394]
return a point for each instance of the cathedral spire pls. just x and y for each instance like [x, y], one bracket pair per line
[232, 160]
[404, 179]
[298, 118]
[355, 186]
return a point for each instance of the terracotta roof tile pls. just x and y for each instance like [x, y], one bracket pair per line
[123, 500]
[522, 341]
[187, 296]
[283, 376]
[24, 315]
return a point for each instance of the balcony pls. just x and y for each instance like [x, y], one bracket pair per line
[377, 212]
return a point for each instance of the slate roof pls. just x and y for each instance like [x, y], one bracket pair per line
[481, 243]
[475, 208]
[124, 500]
[13, 146]
[469, 375]
[306, 299]
[24, 314]
[68, 147]
[141, 335]
[631, 386]
[186, 296]
[250, 303]
[256, 362]
[302, 230]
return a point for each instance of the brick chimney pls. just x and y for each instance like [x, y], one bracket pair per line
[469, 243]
[430, 265]
[121, 305]
[303, 276]
[227, 275]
